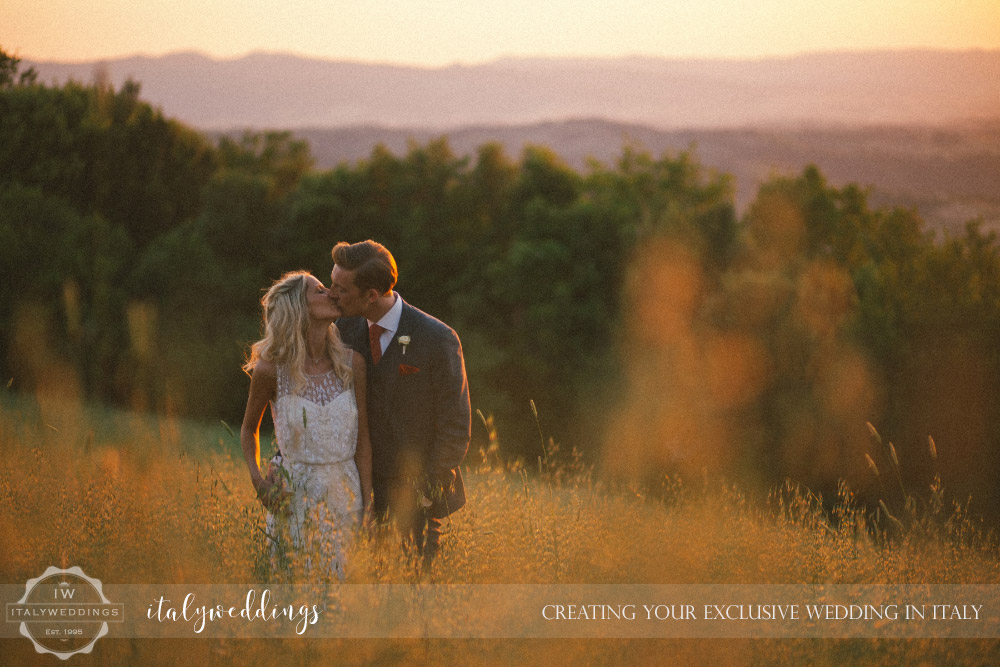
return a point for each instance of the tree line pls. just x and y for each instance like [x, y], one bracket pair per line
[630, 302]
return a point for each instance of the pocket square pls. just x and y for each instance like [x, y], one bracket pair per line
[408, 370]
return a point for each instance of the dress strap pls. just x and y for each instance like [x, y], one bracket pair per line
[283, 380]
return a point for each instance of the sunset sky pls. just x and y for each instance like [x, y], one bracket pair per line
[442, 32]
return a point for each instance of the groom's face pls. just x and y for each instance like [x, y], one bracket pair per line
[345, 294]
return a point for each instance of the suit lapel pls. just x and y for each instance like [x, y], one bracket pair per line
[405, 328]
[393, 352]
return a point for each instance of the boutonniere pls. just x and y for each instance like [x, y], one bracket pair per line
[404, 341]
[408, 370]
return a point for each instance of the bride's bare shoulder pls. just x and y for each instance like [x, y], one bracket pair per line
[263, 383]
[264, 370]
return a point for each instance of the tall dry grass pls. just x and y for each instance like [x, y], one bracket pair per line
[140, 499]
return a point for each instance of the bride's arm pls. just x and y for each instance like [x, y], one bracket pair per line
[363, 452]
[263, 384]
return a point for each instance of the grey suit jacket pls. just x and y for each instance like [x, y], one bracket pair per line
[419, 414]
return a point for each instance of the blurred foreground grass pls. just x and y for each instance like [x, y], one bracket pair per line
[141, 499]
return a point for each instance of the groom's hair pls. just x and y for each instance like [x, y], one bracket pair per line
[373, 265]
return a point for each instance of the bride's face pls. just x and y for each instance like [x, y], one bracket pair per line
[321, 307]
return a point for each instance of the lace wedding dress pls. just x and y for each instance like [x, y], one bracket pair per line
[317, 431]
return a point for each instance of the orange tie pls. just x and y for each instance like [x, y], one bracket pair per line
[374, 333]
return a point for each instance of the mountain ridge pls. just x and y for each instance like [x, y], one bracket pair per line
[281, 90]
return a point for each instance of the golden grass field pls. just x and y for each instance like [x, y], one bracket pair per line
[140, 499]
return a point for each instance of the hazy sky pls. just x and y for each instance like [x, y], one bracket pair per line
[439, 32]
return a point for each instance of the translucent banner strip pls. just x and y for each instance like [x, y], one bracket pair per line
[543, 611]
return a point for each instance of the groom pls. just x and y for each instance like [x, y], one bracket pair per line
[419, 414]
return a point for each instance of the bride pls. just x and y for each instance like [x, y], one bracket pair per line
[319, 484]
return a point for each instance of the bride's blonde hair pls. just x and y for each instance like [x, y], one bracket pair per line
[286, 321]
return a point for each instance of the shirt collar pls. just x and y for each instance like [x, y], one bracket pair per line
[390, 321]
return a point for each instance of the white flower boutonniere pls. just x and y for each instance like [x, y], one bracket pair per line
[404, 341]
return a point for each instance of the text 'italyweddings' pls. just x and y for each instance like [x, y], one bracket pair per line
[304, 616]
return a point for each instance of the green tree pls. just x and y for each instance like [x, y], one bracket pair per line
[9, 75]
[275, 156]
[106, 153]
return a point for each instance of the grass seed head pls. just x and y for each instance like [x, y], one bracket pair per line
[871, 464]
[875, 435]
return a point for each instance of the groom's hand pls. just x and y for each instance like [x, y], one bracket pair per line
[433, 489]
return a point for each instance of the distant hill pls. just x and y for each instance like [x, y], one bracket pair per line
[284, 91]
[920, 128]
[950, 175]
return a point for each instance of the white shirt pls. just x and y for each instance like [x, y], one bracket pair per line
[389, 322]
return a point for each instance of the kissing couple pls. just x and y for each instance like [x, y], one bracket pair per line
[370, 405]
